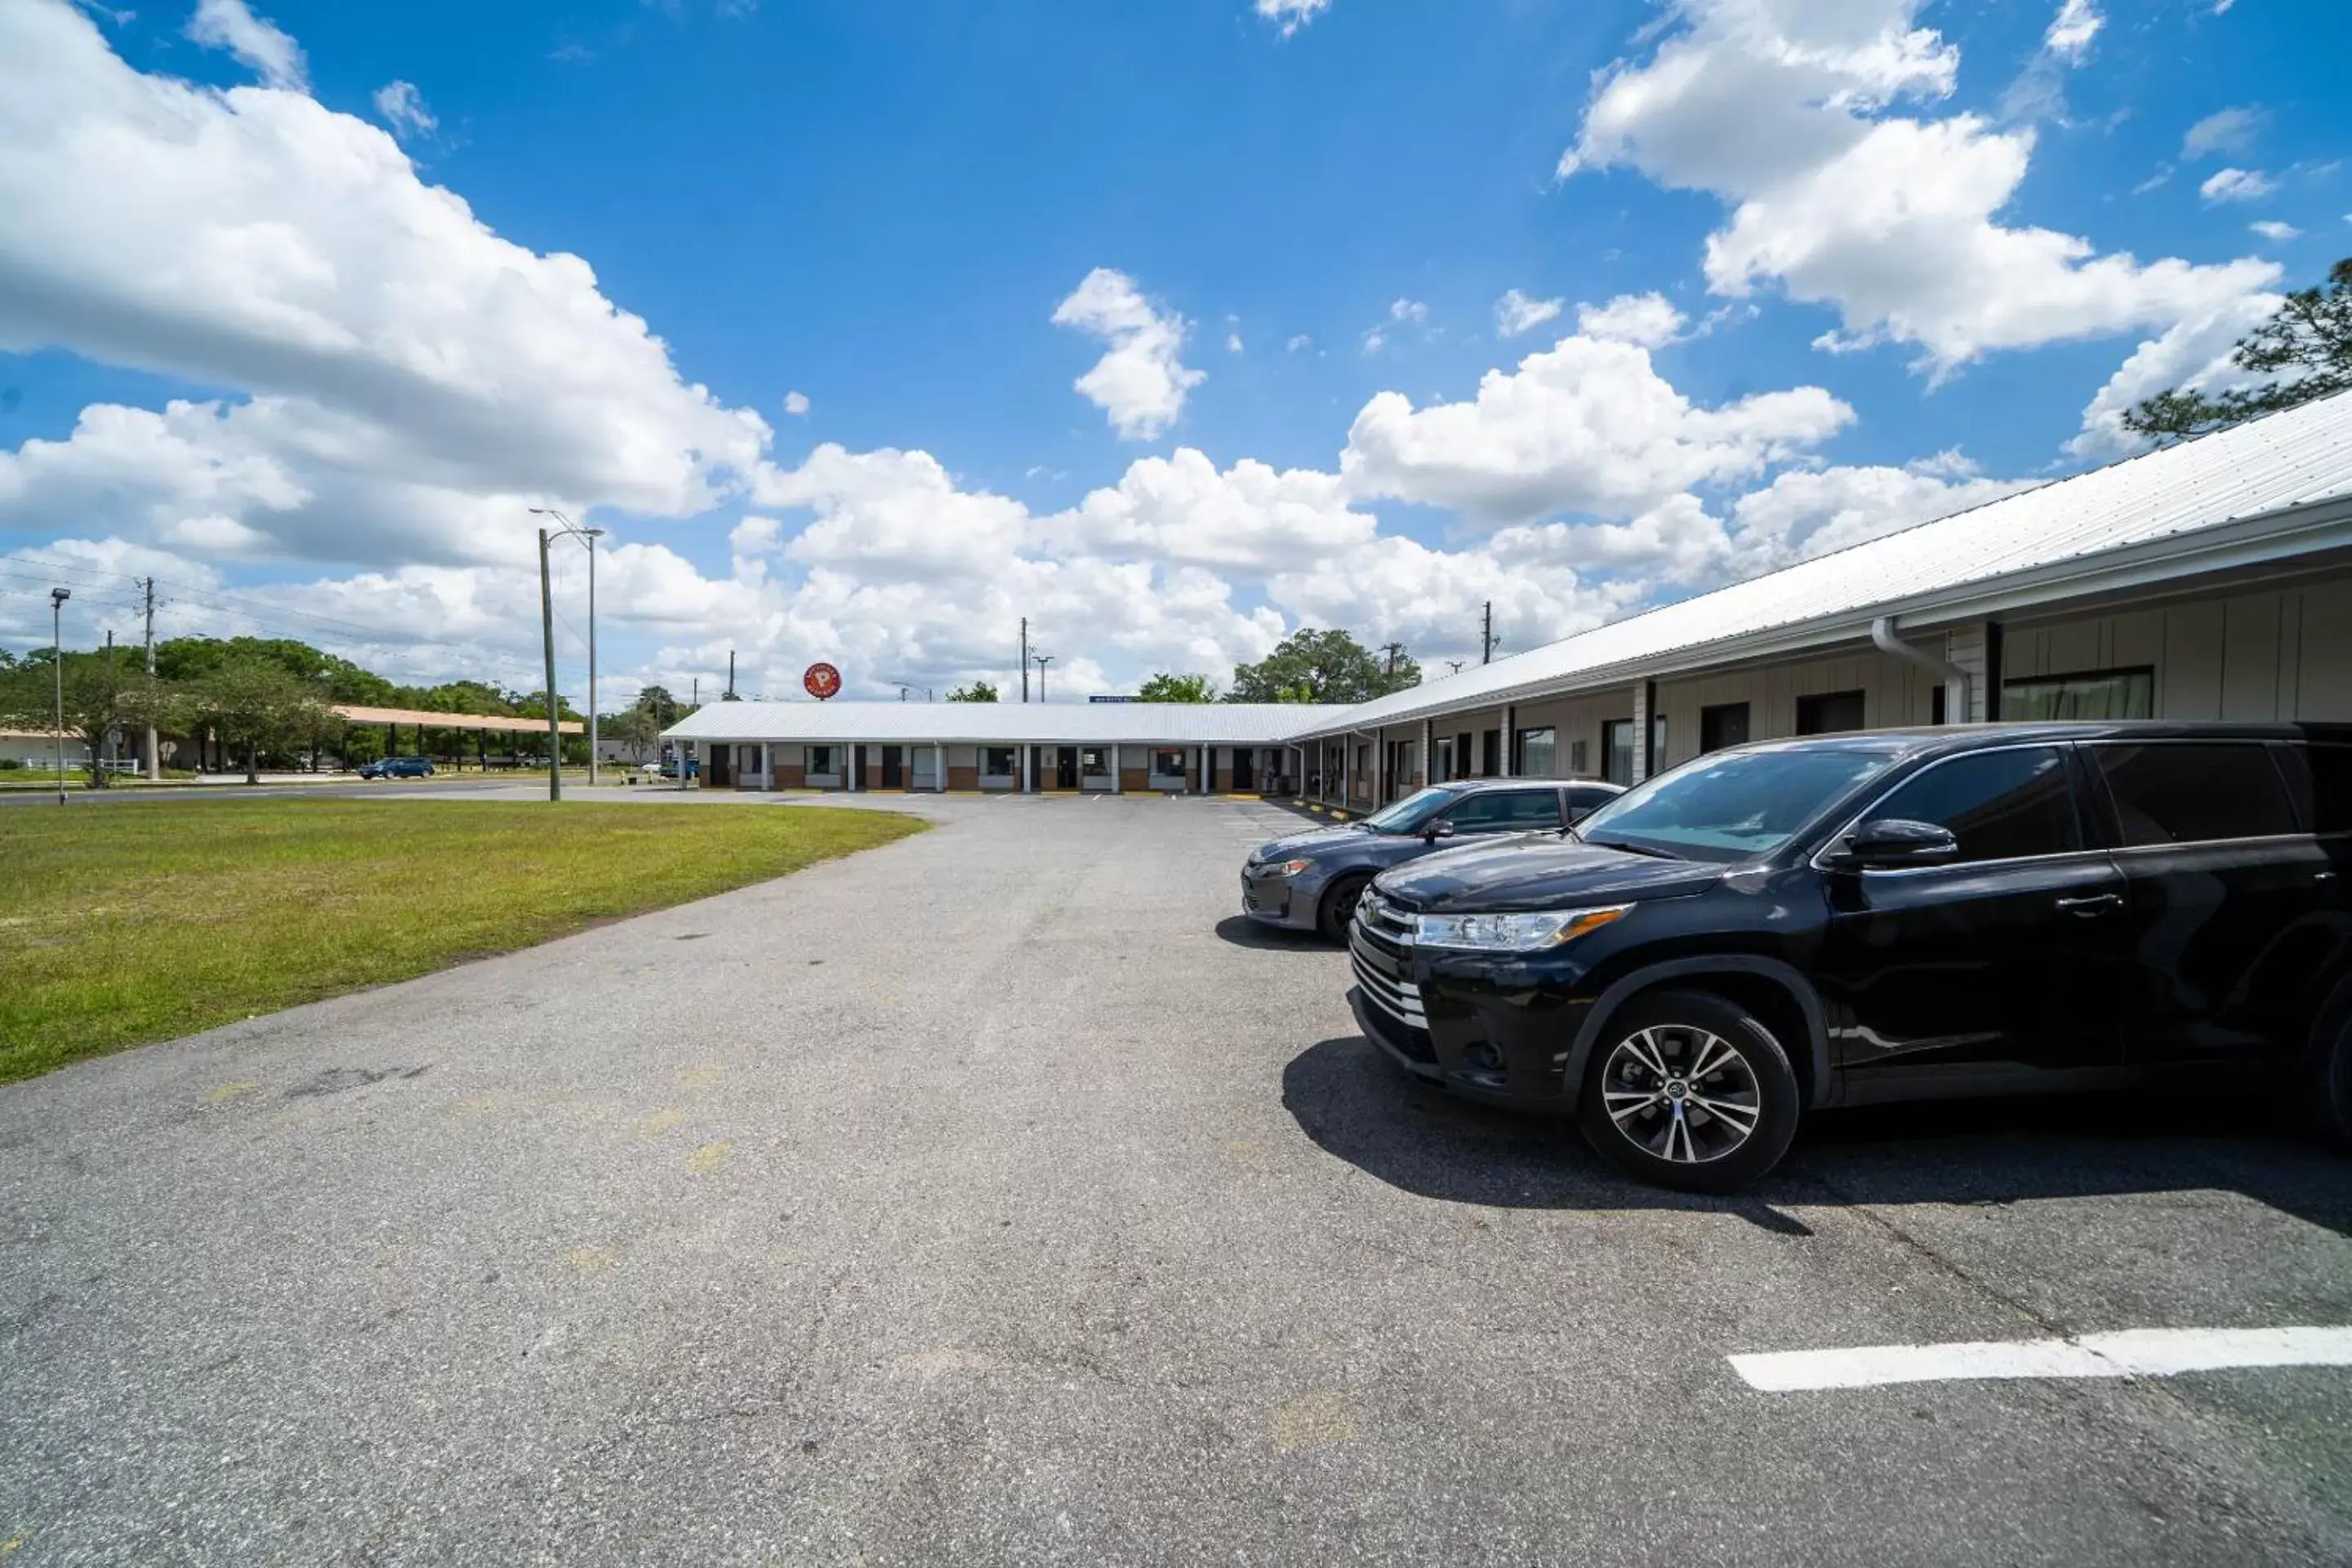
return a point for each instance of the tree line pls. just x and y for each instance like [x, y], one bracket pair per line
[259, 700]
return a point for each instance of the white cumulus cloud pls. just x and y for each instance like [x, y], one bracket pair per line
[1516, 313]
[1588, 426]
[1290, 15]
[1648, 320]
[2237, 185]
[414, 379]
[1140, 383]
[2223, 130]
[259, 43]
[1787, 113]
[402, 108]
[796, 404]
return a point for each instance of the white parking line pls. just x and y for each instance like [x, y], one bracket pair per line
[2131, 1352]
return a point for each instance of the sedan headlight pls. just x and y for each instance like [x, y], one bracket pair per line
[1516, 933]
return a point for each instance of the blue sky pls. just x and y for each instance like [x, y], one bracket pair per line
[2002, 214]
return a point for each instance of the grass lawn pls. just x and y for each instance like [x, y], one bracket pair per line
[129, 923]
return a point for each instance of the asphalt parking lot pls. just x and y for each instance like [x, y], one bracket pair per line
[1000, 1196]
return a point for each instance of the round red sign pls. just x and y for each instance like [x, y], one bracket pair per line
[823, 681]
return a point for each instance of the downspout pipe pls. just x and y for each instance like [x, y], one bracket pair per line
[1883, 638]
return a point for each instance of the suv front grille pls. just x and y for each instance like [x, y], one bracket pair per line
[1385, 921]
[1401, 999]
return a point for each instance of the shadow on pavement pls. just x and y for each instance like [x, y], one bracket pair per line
[1355, 1105]
[1242, 932]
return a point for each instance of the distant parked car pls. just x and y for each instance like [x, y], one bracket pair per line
[1310, 881]
[397, 768]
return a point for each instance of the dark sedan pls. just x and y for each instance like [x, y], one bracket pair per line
[397, 768]
[1310, 881]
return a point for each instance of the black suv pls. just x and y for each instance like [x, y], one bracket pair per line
[1887, 916]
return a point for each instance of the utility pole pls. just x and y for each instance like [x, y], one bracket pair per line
[1024, 658]
[547, 638]
[698, 691]
[589, 535]
[1392, 650]
[1487, 638]
[730, 676]
[58, 597]
[113, 693]
[150, 759]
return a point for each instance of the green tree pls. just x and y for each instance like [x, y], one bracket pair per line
[634, 729]
[101, 694]
[1178, 689]
[978, 692]
[657, 700]
[2305, 347]
[1312, 666]
[255, 704]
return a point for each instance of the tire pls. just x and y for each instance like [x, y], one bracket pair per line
[2329, 1105]
[1642, 1116]
[1339, 906]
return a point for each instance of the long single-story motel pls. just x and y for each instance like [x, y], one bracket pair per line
[2210, 580]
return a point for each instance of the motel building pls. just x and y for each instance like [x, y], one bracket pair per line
[2211, 580]
[1036, 748]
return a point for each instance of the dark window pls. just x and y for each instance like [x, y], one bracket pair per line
[820, 758]
[1724, 724]
[1829, 713]
[2001, 806]
[1935, 704]
[1537, 752]
[1168, 765]
[997, 762]
[2321, 780]
[2193, 791]
[1494, 810]
[1094, 760]
[2091, 694]
[1588, 797]
[1617, 751]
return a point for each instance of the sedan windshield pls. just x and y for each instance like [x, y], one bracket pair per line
[1732, 807]
[1411, 814]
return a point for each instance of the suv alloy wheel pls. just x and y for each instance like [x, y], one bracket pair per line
[1689, 1090]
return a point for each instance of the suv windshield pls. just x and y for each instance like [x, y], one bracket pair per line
[1409, 815]
[1732, 807]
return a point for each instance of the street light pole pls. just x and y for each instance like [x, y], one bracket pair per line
[58, 597]
[547, 639]
[587, 536]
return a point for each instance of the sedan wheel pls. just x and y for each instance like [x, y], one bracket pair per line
[1688, 1089]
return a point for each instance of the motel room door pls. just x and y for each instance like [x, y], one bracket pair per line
[893, 767]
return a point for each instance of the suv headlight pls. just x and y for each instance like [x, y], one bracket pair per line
[1516, 933]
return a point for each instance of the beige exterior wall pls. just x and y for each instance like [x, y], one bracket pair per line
[2274, 654]
[1895, 692]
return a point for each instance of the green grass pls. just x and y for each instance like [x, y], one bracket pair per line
[129, 923]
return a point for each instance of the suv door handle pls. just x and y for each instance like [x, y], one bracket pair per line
[2093, 904]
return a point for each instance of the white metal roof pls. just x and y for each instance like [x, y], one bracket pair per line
[2277, 470]
[1010, 724]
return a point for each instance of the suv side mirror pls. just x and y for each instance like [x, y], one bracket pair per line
[1441, 829]
[1896, 841]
